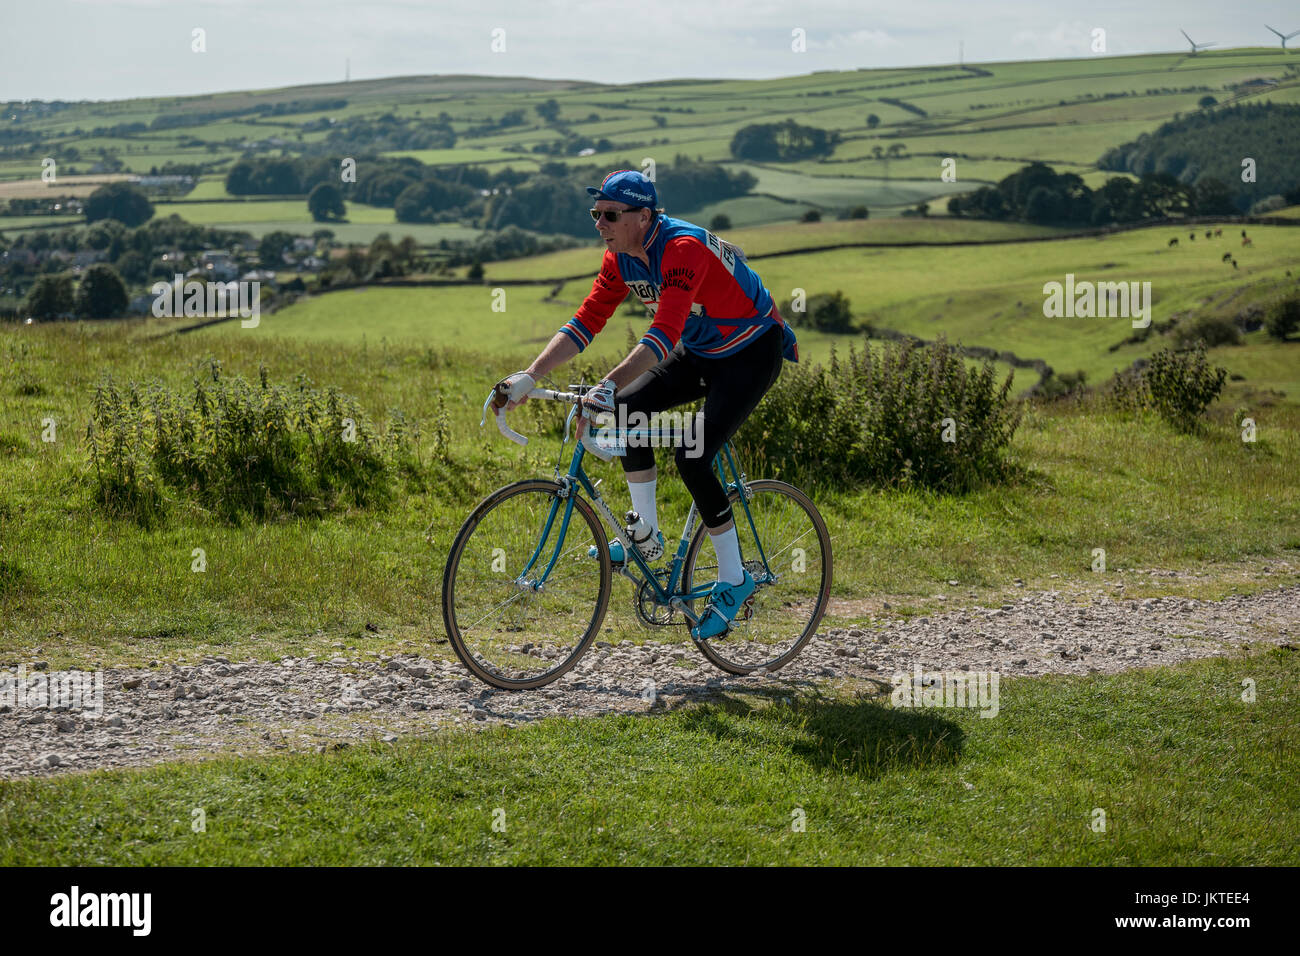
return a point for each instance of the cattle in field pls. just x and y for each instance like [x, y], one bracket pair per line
[1173, 241]
[1227, 257]
[1247, 241]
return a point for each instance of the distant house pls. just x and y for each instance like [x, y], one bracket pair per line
[25, 256]
[259, 275]
[219, 265]
[162, 182]
[87, 257]
[304, 244]
[312, 263]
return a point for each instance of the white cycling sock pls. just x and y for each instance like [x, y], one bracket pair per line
[643, 501]
[727, 547]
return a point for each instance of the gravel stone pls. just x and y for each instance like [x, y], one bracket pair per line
[266, 706]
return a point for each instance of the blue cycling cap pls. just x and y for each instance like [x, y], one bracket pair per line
[626, 186]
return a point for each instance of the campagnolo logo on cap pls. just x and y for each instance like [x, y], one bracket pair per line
[636, 195]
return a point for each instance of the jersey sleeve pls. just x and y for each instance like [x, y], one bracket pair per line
[607, 292]
[685, 263]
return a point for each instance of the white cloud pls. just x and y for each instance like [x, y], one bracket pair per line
[857, 40]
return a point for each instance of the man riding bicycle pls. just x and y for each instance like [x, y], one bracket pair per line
[716, 335]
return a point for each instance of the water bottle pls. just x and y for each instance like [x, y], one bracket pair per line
[638, 529]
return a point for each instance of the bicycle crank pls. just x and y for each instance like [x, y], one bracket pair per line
[648, 609]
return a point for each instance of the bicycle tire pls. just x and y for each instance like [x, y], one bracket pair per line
[718, 651]
[452, 585]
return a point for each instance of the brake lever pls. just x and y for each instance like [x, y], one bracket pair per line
[500, 414]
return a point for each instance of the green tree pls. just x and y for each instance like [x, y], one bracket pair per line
[1283, 317]
[421, 202]
[271, 249]
[1044, 205]
[832, 313]
[120, 201]
[49, 297]
[549, 111]
[719, 222]
[872, 121]
[1212, 197]
[1205, 102]
[101, 294]
[325, 203]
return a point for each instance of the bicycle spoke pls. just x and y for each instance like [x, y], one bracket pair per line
[537, 631]
[785, 608]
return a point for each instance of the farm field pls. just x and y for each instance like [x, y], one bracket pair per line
[284, 210]
[992, 120]
[114, 591]
[260, 576]
[974, 295]
[876, 785]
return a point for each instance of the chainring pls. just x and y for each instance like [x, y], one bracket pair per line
[648, 610]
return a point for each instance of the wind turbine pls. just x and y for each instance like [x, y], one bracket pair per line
[1284, 36]
[1196, 47]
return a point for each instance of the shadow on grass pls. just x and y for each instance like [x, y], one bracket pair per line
[861, 737]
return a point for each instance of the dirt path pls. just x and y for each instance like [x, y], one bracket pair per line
[170, 712]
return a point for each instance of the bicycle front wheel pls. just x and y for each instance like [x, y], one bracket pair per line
[790, 561]
[521, 597]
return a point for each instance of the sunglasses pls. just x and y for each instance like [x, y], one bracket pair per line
[611, 215]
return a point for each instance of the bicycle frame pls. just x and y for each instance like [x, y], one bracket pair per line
[668, 595]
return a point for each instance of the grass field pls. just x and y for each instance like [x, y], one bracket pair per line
[1185, 772]
[362, 233]
[280, 211]
[116, 592]
[1064, 111]
[976, 295]
[12, 224]
[787, 237]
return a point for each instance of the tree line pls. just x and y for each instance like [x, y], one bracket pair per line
[1039, 194]
[550, 200]
[1190, 149]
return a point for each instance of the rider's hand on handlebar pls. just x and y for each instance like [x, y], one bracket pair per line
[512, 391]
[599, 399]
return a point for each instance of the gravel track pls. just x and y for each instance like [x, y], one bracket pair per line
[222, 707]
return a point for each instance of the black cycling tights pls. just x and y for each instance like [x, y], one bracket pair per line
[731, 388]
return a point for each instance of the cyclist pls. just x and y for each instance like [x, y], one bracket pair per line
[716, 335]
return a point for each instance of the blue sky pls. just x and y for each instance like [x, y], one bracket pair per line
[111, 49]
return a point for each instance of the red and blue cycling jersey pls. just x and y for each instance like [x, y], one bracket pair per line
[701, 292]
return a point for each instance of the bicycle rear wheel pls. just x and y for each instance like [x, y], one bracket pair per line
[514, 624]
[792, 571]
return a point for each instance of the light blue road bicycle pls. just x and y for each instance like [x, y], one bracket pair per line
[522, 599]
